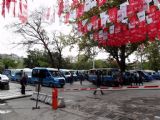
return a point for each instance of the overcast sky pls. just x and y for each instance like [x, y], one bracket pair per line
[8, 38]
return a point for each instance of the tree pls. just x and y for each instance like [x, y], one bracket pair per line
[59, 42]
[6, 63]
[118, 53]
[153, 55]
[36, 58]
[34, 32]
[121, 53]
[117, 50]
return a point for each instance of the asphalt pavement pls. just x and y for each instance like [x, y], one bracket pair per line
[14, 92]
[83, 105]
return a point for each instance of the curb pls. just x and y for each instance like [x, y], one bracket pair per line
[15, 97]
[154, 87]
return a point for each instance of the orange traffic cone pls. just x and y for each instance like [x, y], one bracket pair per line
[54, 98]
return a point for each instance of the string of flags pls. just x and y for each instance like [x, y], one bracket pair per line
[131, 22]
[19, 8]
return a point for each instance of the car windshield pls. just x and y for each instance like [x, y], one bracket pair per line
[55, 73]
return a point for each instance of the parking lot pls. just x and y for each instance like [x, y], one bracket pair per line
[83, 105]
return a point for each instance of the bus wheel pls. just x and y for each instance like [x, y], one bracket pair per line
[61, 86]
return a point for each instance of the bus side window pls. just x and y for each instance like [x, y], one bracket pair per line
[42, 73]
[47, 74]
[35, 73]
[109, 73]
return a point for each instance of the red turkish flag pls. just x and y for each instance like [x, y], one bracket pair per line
[60, 7]
[24, 15]
[80, 10]
[113, 14]
[158, 30]
[130, 10]
[131, 1]
[101, 2]
[20, 6]
[95, 36]
[140, 5]
[99, 23]
[8, 2]
[126, 36]
[67, 18]
[85, 30]
[80, 26]
[157, 16]
[133, 20]
[152, 31]
[133, 33]
[142, 24]
[3, 8]
[117, 28]
[94, 22]
[14, 9]
[74, 3]
[124, 28]
[152, 9]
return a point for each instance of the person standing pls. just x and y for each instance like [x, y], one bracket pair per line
[71, 79]
[98, 82]
[23, 83]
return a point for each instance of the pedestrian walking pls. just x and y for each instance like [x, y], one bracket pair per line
[71, 79]
[140, 80]
[98, 82]
[81, 78]
[136, 75]
[23, 83]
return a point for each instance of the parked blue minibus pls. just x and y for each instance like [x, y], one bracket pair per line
[48, 77]
[108, 75]
[13, 74]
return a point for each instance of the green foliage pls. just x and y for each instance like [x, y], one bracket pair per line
[9, 63]
[153, 55]
[1, 66]
[36, 58]
[6, 63]
[39, 58]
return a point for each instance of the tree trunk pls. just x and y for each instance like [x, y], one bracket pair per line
[122, 63]
[51, 57]
[59, 61]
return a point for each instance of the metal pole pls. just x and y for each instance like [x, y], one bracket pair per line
[37, 107]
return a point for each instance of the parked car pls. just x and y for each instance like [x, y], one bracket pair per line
[4, 82]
